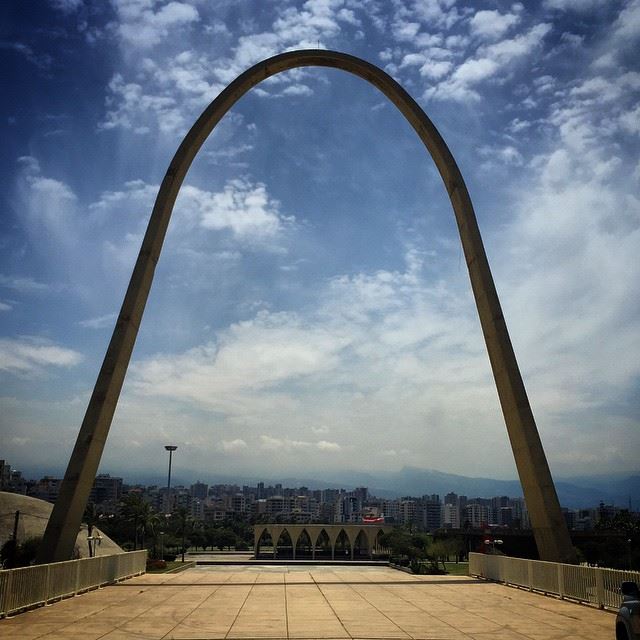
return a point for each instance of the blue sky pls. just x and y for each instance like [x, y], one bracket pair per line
[311, 311]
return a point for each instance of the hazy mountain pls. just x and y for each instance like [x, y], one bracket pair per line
[410, 481]
[576, 493]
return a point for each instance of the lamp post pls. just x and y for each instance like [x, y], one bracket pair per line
[170, 448]
[493, 544]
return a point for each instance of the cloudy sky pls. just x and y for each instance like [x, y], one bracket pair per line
[311, 311]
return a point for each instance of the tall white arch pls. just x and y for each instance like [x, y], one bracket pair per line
[550, 530]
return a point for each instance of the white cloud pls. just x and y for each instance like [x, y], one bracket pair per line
[47, 207]
[508, 155]
[40, 60]
[233, 446]
[630, 120]
[627, 26]
[492, 24]
[244, 208]
[99, 322]
[435, 69]
[169, 92]
[248, 359]
[66, 6]
[332, 447]
[30, 355]
[4, 306]
[572, 5]
[23, 284]
[269, 443]
[129, 107]
[489, 61]
[141, 25]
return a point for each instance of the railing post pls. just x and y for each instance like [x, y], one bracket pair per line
[78, 562]
[530, 574]
[48, 583]
[599, 589]
[561, 581]
[4, 597]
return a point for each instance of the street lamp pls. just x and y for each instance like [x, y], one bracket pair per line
[170, 448]
[493, 544]
[92, 541]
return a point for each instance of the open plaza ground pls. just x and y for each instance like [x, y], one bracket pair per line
[309, 602]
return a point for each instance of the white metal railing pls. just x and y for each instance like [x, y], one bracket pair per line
[40, 584]
[587, 584]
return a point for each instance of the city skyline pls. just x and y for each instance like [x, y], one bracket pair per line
[585, 492]
[312, 312]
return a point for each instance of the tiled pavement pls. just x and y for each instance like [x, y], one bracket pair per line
[311, 602]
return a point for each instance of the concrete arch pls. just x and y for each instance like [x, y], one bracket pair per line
[298, 542]
[317, 537]
[316, 541]
[550, 530]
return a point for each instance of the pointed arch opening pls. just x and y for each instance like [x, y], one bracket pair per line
[379, 550]
[264, 545]
[323, 546]
[284, 546]
[304, 546]
[342, 546]
[361, 548]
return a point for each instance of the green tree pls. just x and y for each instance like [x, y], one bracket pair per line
[184, 525]
[406, 547]
[137, 511]
[15, 554]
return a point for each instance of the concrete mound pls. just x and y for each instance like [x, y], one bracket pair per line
[34, 515]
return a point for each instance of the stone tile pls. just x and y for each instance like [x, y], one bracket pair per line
[307, 602]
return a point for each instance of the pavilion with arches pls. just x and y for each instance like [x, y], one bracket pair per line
[319, 541]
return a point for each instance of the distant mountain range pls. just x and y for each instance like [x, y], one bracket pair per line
[577, 493]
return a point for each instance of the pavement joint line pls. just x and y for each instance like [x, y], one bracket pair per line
[484, 617]
[286, 609]
[119, 626]
[382, 613]
[348, 635]
[425, 610]
[319, 582]
[193, 610]
[235, 619]
[88, 615]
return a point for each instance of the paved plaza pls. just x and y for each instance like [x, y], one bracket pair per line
[309, 602]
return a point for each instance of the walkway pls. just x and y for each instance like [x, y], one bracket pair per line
[306, 603]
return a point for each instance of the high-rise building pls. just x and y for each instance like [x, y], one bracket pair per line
[450, 516]
[477, 515]
[106, 489]
[431, 512]
[199, 490]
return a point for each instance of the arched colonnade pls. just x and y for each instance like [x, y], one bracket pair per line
[348, 538]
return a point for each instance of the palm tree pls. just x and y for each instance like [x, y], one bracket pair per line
[183, 522]
[149, 520]
[133, 509]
